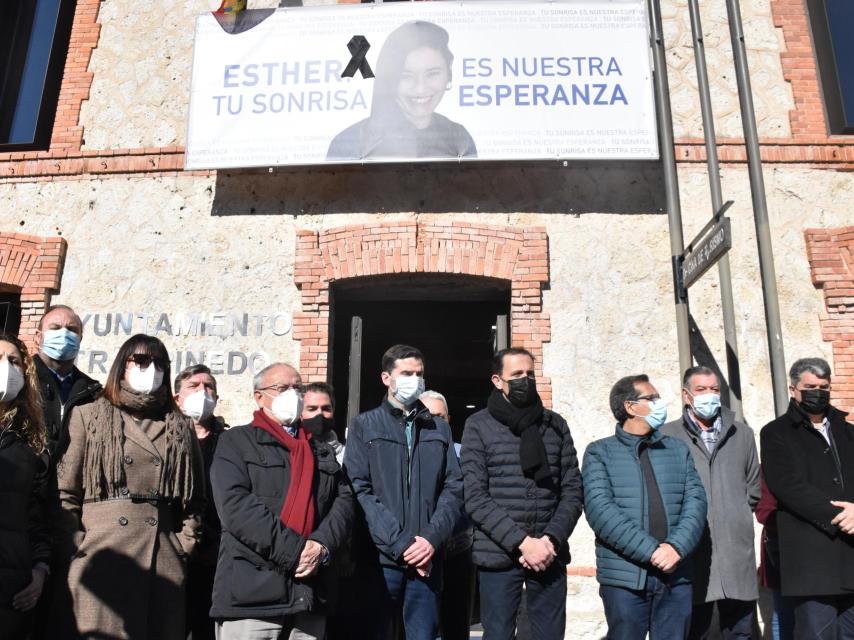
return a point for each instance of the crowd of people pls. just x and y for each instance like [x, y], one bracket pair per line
[133, 511]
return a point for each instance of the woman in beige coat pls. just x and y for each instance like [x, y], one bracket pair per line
[132, 489]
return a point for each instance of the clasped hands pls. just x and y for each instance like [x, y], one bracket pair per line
[536, 554]
[420, 555]
[845, 518]
[665, 558]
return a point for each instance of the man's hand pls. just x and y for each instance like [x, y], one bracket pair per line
[419, 553]
[309, 559]
[425, 569]
[845, 518]
[537, 553]
[27, 599]
[665, 558]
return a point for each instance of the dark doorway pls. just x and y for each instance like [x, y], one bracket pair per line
[456, 321]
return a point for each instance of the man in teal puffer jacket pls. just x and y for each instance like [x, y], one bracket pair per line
[647, 506]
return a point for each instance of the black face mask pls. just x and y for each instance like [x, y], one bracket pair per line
[815, 401]
[318, 425]
[522, 392]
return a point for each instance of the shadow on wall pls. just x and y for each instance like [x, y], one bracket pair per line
[591, 187]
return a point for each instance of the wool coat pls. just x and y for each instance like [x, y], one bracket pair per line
[505, 505]
[804, 473]
[725, 560]
[126, 577]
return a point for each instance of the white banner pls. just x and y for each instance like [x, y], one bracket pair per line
[452, 81]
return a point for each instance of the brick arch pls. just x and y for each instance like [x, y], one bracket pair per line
[33, 266]
[831, 257]
[519, 256]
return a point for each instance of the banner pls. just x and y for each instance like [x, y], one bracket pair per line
[422, 81]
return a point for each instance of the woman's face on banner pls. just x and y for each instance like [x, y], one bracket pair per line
[423, 83]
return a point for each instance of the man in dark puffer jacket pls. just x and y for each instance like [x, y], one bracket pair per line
[523, 492]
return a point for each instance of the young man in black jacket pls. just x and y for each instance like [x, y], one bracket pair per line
[406, 477]
[808, 463]
[285, 508]
[524, 494]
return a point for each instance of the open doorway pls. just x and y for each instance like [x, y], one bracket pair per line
[456, 321]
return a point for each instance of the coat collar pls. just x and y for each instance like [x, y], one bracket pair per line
[798, 417]
[135, 433]
[633, 441]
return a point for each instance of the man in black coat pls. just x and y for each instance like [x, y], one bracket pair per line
[63, 386]
[285, 508]
[808, 462]
[524, 494]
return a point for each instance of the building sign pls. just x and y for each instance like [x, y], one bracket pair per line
[210, 338]
[399, 82]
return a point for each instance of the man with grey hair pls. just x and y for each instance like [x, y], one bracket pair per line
[724, 453]
[457, 599]
[286, 508]
[808, 462]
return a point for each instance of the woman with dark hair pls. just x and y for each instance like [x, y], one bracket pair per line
[132, 490]
[412, 75]
[24, 536]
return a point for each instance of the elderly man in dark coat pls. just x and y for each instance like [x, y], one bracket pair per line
[285, 508]
[808, 462]
[724, 452]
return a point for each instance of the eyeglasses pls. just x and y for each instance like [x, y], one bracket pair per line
[647, 398]
[281, 388]
[143, 360]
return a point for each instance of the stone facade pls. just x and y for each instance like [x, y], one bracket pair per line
[107, 221]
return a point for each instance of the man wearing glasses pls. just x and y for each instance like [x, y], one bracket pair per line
[285, 508]
[647, 506]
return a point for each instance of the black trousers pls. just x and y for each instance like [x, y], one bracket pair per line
[735, 619]
[457, 598]
[824, 618]
[200, 579]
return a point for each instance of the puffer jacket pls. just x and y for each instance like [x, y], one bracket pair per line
[615, 503]
[24, 536]
[403, 495]
[504, 504]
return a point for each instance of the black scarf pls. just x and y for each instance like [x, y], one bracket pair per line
[523, 422]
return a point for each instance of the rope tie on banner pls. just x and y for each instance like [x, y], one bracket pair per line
[358, 47]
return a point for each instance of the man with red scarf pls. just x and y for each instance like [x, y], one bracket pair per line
[285, 508]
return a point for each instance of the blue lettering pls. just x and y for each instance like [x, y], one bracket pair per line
[258, 101]
[577, 95]
[560, 95]
[465, 94]
[250, 75]
[619, 95]
[502, 91]
[229, 77]
[541, 92]
[613, 67]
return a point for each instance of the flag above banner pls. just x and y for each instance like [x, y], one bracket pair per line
[424, 81]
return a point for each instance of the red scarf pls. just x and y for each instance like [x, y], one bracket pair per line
[298, 510]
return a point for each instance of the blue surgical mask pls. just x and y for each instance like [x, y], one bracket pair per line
[707, 405]
[657, 415]
[60, 344]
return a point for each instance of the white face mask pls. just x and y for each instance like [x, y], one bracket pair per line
[407, 389]
[287, 406]
[11, 381]
[145, 380]
[199, 406]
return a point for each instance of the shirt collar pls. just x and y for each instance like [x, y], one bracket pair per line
[62, 378]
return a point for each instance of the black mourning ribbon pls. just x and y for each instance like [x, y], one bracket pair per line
[358, 47]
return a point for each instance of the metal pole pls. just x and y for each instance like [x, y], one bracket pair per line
[671, 181]
[760, 211]
[724, 276]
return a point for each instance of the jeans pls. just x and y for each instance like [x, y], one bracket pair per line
[501, 594]
[660, 609]
[735, 620]
[302, 626]
[783, 618]
[824, 617]
[416, 597]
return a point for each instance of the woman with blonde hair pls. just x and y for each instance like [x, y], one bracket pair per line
[24, 537]
[132, 490]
